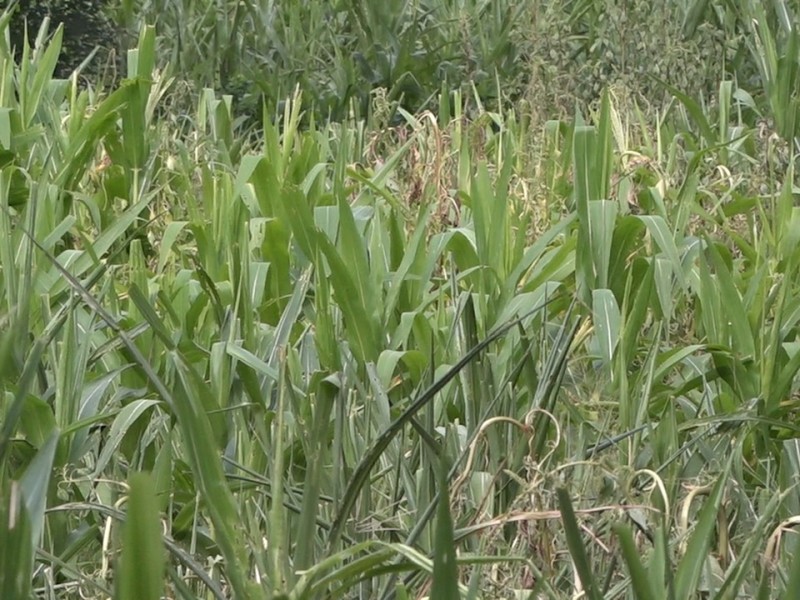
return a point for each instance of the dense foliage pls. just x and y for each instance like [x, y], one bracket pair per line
[416, 333]
[88, 32]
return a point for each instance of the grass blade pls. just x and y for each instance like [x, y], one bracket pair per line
[577, 549]
[691, 564]
[445, 569]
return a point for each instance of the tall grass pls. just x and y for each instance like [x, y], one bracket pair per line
[259, 51]
[373, 359]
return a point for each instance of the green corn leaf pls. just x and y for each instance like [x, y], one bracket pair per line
[606, 317]
[792, 589]
[17, 549]
[141, 566]
[602, 218]
[737, 322]
[690, 567]
[577, 549]
[641, 584]
[35, 483]
[445, 569]
[122, 423]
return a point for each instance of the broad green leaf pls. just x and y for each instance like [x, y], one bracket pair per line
[171, 234]
[535, 252]
[150, 315]
[445, 569]
[690, 567]
[628, 235]
[17, 549]
[641, 584]
[353, 254]
[737, 323]
[278, 566]
[30, 99]
[637, 304]
[84, 145]
[37, 421]
[606, 318]
[140, 573]
[526, 302]
[351, 287]
[663, 275]
[328, 391]
[81, 262]
[577, 549]
[204, 459]
[35, 483]
[252, 361]
[122, 423]
[603, 154]
[661, 235]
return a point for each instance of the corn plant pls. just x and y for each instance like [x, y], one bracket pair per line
[388, 358]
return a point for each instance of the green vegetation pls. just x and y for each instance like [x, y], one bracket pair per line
[91, 40]
[471, 312]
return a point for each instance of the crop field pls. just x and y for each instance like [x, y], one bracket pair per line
[410, 299]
